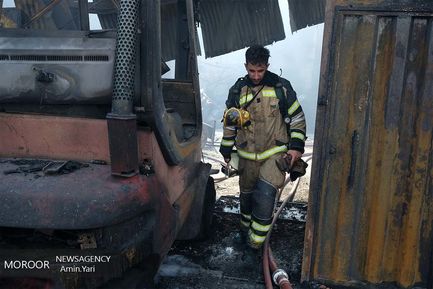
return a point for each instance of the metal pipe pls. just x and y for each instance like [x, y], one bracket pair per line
[124, 64]
[122, 124]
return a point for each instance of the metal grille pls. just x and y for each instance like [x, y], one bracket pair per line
[65, 58]
[96, 58]
[29, 57]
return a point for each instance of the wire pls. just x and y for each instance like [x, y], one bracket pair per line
[42, 12]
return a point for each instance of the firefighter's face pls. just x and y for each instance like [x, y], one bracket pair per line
[256, 72]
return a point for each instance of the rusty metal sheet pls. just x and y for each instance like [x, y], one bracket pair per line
[370, 218]
[35, 136]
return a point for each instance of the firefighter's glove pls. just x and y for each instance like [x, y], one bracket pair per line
[298, 170]
[284, 162]
[226, 153]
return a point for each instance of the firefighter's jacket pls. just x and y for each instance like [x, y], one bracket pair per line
[277, 119]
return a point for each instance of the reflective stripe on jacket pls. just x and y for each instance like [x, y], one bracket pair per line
[267, 134]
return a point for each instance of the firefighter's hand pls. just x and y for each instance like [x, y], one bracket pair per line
[296, 155]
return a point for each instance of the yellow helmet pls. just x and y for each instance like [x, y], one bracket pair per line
[236, 117]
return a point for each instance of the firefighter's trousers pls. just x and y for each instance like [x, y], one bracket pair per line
[259, 182]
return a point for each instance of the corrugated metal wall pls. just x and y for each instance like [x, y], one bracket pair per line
[371, 200]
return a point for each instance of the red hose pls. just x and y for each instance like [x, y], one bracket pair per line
[283, 282]
[272, 263]
[265, 263]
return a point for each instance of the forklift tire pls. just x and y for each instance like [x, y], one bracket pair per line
[208, 210]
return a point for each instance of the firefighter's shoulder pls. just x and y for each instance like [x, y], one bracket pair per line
[241, 82]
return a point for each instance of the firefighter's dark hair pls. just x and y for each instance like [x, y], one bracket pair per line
[257, 54]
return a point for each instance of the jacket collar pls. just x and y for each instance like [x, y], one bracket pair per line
[270, 79]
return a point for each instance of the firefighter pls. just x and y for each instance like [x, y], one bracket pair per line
[265, 122]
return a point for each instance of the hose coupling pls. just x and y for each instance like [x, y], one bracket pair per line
[279, 275]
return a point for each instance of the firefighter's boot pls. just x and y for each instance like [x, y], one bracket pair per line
[251, 258]
[246, 209]
[263, 203]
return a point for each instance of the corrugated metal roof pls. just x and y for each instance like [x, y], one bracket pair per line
[306, 13]
[229, 25]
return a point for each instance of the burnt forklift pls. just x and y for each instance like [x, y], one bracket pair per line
[100, 156]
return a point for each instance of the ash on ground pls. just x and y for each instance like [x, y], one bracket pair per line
[222, 261]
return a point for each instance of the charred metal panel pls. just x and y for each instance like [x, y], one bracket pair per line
[370, 219]
[179, 97]
[87, 198]
[306, 13]
[231, 25]
[56, 70]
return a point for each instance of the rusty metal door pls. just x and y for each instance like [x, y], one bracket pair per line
[371, 198]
